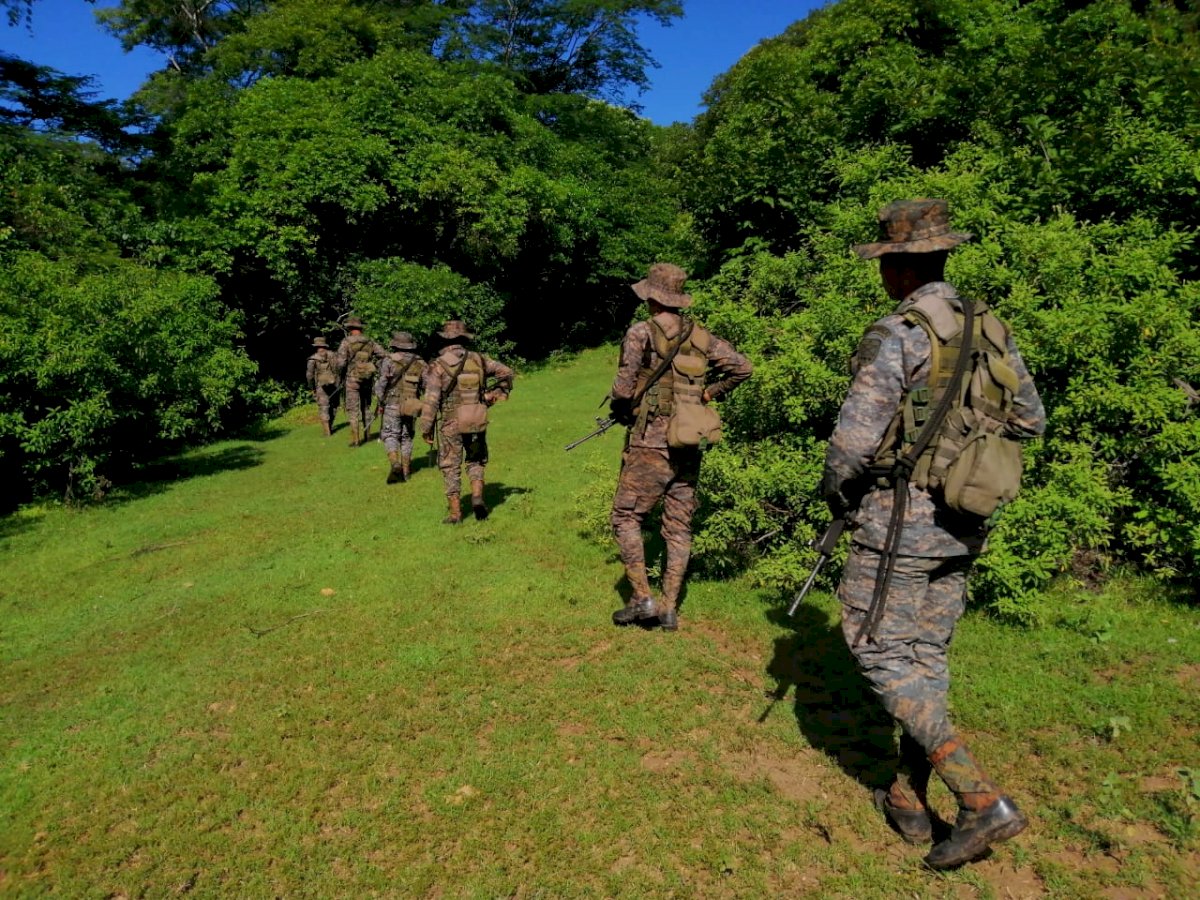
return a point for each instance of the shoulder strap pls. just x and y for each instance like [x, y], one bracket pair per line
[453, 373]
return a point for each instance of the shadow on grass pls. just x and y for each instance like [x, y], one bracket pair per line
[834, 707]
[496, 494]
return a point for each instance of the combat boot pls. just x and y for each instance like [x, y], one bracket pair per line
[985, 816]
[405, 468]
[904, 805]
[455, 514]
[477, 504]
[394, 474]
[354, 441]
[325, 427]
[913, 825]
[636, 609]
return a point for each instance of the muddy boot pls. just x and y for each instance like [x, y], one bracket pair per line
[394, 473]
[325, 427]
[904, 804]
[636, 609]
[405, 467]
[354, 435]
[985, 817]
[668, 618]
[477, 505]
[454, 516]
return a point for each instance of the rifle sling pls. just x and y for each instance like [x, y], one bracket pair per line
[666, 362]
[903, 468]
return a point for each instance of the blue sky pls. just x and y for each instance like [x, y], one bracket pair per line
[710, 38]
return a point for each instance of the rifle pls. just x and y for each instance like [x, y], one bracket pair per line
[604, 425]
[824, 547]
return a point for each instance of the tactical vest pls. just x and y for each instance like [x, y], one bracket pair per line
[360, 361]
[678, 393]
[325, 371]
[407, 383]
[463, 396]
[969, 462]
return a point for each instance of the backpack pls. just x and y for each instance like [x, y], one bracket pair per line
[361, 363]
[463, 395]
[326, 372]
[970, 463]
[680, 396]
[406, 386]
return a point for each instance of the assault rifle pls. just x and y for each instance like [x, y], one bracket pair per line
[824, 546]
[604, 425]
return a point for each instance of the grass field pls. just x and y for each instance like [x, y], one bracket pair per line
[263, 672]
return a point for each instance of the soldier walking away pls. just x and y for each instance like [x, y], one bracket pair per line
[322, 378]
[356, 362]
[660, 395]
[456, 387]
[925, 450]
[398, 392]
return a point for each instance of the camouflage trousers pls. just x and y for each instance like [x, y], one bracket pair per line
[397, 432]
[905, 661]
[327, 402]
[648, 475]
[358, 403]
[452, 450]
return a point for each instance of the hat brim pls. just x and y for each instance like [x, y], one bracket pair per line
[462, 335]
[403, 346]
[925, 245]
[645, 290]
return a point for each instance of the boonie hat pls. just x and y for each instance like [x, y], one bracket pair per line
[913, 226]
[664, 283]
[355, 322]
[455, 329]
[320, 342]
[402, 340]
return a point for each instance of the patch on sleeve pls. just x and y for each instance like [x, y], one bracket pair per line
[868, 347]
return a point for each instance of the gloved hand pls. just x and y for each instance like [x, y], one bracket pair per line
[831, 493]
[621, 409]
[427, 438]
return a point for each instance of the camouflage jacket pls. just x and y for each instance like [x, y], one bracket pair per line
[638, 353]
[893, 358]
[344, 355]
[437, 379]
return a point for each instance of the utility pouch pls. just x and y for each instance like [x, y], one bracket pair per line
[985, 475]
[410, 403]
[472, 418]
[325, 376]
[411, 407]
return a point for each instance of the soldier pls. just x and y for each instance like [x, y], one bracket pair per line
[904, 586]
[651, 468]
[356, 362]
[322, 377]
[456, 386]
[398, 392]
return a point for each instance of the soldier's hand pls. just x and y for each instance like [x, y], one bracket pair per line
[427, 438]
[706, 397]
[621, 409]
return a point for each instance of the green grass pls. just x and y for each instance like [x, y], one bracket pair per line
[458, 718]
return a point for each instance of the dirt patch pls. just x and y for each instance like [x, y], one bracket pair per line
[1134, 834]
[1189, 675]
[795, 777]
[1158, 784]
[667, 761]
[572, 729]
[1008, 881]
[1151, 889]
[1077, 860]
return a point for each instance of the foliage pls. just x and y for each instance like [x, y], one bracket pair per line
[1086, 246]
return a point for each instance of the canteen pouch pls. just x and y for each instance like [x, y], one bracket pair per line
[411, 407]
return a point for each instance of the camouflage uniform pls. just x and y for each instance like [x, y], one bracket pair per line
[322, 377]
[400, 379]
[905, 657]
[651, 470]
[442, 395]
[355, 353]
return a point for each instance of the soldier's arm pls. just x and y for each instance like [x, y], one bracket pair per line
[342, 358]
[503, 376]
[1028, 419]
[311, 373]
[386, 373]
[378, 351]
[432, 400]
[874, 397]
[633, 349]
[732, 367]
